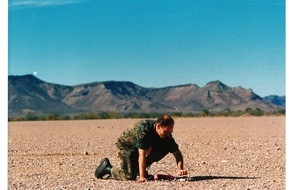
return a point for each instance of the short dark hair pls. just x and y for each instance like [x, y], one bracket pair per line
[165, 120]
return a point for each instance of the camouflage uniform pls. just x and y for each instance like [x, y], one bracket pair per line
[141, 135]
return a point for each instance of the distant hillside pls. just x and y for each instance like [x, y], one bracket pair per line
[277, 100]
[30, 94]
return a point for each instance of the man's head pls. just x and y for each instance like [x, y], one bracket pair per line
[164, 125]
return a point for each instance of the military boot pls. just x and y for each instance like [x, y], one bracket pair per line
[104, 168]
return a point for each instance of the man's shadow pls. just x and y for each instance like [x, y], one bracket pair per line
[194, 178]
[202, 178]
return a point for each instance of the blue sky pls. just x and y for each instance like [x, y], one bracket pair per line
[153, 43]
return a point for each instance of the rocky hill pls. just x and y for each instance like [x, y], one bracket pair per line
[30, 94]
[277, 100]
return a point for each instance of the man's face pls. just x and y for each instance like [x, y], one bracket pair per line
[164, 131]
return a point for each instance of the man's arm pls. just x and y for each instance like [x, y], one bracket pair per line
[142, 165]
[179, 161]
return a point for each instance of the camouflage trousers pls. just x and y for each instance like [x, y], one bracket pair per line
[128, 166]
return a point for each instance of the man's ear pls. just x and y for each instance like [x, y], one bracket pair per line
[158, 125]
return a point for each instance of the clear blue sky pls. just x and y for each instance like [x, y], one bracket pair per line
[152, 43]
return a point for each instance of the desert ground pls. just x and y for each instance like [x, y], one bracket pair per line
[246, 153]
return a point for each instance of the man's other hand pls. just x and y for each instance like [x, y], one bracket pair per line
[182, 172]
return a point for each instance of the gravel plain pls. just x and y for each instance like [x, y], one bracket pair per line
[246, 153]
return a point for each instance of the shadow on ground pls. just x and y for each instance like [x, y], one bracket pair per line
[202, 178]
[194, 178]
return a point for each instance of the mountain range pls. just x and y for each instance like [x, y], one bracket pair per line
[27, 94]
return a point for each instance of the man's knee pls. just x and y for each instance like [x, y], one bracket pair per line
[123, 174]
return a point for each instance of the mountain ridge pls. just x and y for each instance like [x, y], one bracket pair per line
[27, 93]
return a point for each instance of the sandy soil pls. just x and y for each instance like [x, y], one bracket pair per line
[220, 153]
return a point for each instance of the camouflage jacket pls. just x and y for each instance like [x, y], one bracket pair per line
[142, 135]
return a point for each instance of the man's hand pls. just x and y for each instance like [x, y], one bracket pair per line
[182, 172]
[141, 180]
